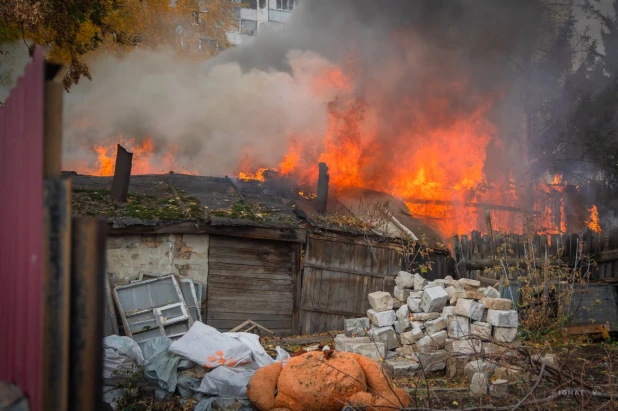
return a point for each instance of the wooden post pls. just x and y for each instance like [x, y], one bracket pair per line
[88, 278]
[322, 188]
[56, 294]
[122, 175]
[52, 122]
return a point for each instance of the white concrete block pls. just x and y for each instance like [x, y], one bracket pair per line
[425, 316]
[481, 330]
[414, 305]
[500, 318]
[401, 367]
[491, 292]
[479, 384]
[432, 342]
[343, 343]
[503, 304]
[419, 282]
[401, 293]
[434, 299]
[382, 318]
[465, 346]
[374, 350]
[470, 284]
[404, 280]
[433, 326]
[403, 312]
[448, 310]
[457, 326]
[385, 335]
[356, 327]
[402, 325]
[432, 361]
[450, 290]
[505, 334]
[476, 366]
[380, 301]
[410, 337]
[469, 308]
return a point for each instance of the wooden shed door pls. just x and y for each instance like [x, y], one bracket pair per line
[251, 279]
[336, 278]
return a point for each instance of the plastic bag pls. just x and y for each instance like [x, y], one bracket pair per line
[282, 355]
[260, 356]
[161, 365]
[121, 358]
[225, 381]
[206, 346]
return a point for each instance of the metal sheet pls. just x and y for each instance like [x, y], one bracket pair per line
[21, 218]
[153, 308]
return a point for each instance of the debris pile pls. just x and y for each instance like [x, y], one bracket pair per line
[440, 325]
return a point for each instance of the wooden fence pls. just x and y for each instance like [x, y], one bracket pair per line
[476, 252]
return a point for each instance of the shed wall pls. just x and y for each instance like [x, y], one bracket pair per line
[252, 280]
[336, 278]
[183, 254]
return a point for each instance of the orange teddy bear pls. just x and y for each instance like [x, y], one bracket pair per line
[324, 381]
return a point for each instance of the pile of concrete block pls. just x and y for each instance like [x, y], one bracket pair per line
[432, 325]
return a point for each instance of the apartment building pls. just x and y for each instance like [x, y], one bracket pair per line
[258, 15]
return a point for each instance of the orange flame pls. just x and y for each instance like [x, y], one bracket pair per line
[146, 158]
[593, 220]
[435, 163]
[259, 175]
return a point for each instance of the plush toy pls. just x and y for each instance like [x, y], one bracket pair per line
[324, 381]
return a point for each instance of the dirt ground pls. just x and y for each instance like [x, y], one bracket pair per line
[595, 363]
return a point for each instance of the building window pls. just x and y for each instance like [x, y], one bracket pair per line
[248, 27]
[286, 5]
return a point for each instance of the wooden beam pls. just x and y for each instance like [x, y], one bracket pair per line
[88, 279]
[323, 178]
[295, 235]
[122, 175]
[494, 207]
[335, 312]
[345, 270]
[56, 293]
[582, 329]
[52, 122]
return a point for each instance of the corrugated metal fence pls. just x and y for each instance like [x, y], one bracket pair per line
[21, 242]
[52, 267]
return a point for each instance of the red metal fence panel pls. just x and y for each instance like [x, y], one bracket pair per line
[21, 242]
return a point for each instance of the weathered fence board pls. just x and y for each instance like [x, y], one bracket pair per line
[252, 280]
[336, 278]
[473, 254]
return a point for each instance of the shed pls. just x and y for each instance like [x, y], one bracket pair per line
[260, 252]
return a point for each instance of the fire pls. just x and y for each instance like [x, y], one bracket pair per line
[431, 153]
[146, 158]
[593, 221]
[259, 175]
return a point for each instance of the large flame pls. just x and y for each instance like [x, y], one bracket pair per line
[593, 221]
[435, 163]
[146, 158]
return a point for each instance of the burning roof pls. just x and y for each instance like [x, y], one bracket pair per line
[164, 199]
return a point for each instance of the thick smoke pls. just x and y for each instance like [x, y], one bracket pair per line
[252, 98]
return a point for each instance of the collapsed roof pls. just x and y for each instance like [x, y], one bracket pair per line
[167, 199]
